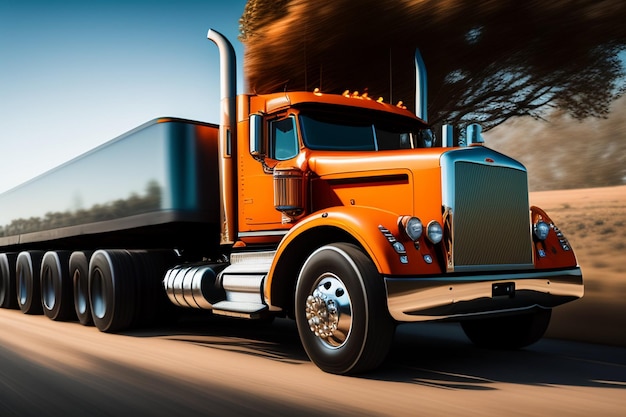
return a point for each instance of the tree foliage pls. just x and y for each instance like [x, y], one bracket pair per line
[487, 61]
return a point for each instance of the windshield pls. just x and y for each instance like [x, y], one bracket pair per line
[366, 131]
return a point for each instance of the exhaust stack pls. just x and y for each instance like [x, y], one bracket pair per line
[227, 134]
[421, 87]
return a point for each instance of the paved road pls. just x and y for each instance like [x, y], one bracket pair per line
[222, 367]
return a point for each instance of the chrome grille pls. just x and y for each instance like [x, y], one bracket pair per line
[490, 215]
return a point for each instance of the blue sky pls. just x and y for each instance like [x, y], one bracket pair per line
[75, 74]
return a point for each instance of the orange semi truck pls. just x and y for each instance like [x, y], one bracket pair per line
[339, 211]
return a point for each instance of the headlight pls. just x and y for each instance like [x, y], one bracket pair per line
[412, 227]
[541, 230]
[434, 232]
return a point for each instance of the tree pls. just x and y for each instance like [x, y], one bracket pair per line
[487, 61]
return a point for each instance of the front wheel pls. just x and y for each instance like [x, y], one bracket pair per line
[508, 332]
[341, 310]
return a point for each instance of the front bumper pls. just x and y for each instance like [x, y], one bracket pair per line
[458, 297]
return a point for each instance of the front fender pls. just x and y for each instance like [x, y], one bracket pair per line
[360, 225]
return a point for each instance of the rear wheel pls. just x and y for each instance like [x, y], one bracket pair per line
[508, 332]
[8, 294]
[27, 269]
[56, 286]
[153, 304]
[112, 290]
[125, 288]
[341, 313]
[79, 273]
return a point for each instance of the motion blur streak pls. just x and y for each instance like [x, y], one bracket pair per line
[487, 61]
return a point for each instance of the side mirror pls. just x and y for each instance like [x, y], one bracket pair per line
[427, 138]
[256, 135]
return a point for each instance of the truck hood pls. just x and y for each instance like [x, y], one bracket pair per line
[405, 182]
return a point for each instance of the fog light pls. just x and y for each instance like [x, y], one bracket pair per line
[434, 232]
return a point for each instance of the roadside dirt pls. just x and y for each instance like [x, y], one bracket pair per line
[594, 221]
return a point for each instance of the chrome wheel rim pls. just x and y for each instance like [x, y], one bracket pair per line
[98, 297]
[328, 311]
[81, 299]
[49, 296]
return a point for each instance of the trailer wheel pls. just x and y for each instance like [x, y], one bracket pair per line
[56, 286]
[79, 273]
[508, 332]
[341, 312]
[27, 268]
[8, 295]
[112, 290]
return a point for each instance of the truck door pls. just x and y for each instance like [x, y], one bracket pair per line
[257, 184]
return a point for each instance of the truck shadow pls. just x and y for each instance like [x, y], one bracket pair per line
[434, 355]
[439, 355]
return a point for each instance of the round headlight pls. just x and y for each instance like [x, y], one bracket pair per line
[541, 230]
[434, 232]
[412, 227]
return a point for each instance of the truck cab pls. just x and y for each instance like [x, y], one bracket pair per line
[338, 185]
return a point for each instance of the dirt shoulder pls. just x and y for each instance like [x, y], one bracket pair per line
[594, 221]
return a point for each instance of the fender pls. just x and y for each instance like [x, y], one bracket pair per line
[362, 225]
[556, 251]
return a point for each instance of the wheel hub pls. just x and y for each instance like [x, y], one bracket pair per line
[329, 311]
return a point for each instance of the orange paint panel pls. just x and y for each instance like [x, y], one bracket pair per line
[363, 224]
[386, 190]
[553, 247]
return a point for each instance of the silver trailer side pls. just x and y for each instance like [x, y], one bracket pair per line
[155, 186]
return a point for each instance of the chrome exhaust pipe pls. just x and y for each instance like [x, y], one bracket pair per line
[227, 134]
[421, 87]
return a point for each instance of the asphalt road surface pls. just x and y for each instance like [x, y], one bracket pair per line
[225, 367]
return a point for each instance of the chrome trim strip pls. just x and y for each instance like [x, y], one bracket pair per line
[457, 297]
[263, 233]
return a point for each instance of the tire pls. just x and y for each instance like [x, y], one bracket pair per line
[57, 298]
[341, 310]
[79, 273]
[152, 306]
[508, 332]
[112, 294]
[8, 292]
[27, 269]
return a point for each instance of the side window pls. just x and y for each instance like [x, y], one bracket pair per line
[284, 141]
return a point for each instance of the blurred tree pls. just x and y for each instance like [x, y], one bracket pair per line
[487, 61]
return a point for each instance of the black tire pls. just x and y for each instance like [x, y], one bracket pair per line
[339, 286]
[79, 273]
[152, 306]
[8, 292]
[27, 269]
[112, 294]
[57, 298]
[508, 332]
